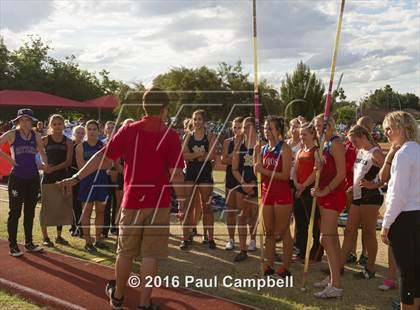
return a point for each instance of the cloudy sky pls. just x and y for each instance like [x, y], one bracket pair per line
[136, 40]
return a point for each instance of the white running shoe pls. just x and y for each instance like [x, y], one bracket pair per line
[324, 283]
[252, 246]
[230, 245]
[330, 292]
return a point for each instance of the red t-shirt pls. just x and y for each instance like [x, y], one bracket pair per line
[149, 150]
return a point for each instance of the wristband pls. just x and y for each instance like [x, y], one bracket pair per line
[75, 177]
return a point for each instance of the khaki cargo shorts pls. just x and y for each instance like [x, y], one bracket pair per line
[144, 233]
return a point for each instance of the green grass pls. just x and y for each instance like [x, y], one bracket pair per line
[205, 263]
[13, 302]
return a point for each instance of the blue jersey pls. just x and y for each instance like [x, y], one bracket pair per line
[93, 187]
[24, 153]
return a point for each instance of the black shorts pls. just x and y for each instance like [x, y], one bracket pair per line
[404, 237]
[199, 174]
[374, 200]
[240, 190]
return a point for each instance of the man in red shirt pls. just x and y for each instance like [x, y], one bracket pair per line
[152, 161]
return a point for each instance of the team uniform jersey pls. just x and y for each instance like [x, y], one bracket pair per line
[306, 164]
[246, 168]
[94, 186]
[365, 169]
[24, 153]
[274, 191]
[230, 182]
[335, 200]
[199, 171]
[56, 154]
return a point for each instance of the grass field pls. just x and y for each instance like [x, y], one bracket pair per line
[11, 302]
[205, 263]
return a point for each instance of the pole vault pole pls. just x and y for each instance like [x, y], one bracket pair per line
[258, 128]
[321, 141]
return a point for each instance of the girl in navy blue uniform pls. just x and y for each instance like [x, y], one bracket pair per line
[78, 136]
[23, 184]
[230, 181]
[246, 191]
[93, 189]
[198, 151]
[59, 150]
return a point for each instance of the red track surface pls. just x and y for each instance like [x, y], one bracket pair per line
[63, 282]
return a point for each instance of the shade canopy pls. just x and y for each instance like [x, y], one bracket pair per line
[39, 99]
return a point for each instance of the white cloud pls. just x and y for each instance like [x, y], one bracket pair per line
[135, 40]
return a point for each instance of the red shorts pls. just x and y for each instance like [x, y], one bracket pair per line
[283, 199]
[335, 200]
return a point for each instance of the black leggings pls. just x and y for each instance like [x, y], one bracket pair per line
[77, 209]
[404, 237]
[302, 213]
[22, 192]
[110, 212]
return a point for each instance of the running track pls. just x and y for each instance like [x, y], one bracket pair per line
[64, 282]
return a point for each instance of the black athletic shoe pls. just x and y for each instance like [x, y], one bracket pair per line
[268, 271]
[282, 273]
[114, 231]
[362, 260]
[90, 248]
[61, 240]
[194, 232]
[184, 245]
[15, 251]
[242, 255]
[48, 243]
[101, 245]
[109, 291]
[364, 274]
[30, 247]
[351, 259]
[212, 244]
[277, 257]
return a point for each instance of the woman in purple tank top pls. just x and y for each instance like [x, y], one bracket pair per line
[23, 184]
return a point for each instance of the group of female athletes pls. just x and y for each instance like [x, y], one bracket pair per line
[352, 173]
[60, 157]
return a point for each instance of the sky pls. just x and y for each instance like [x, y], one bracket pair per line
[137, 40]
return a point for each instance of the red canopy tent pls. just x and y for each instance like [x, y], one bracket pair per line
[39, 99]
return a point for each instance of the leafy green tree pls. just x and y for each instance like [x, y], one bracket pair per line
[31, 68]
[387, 98]
[302, 93]
[346, 114]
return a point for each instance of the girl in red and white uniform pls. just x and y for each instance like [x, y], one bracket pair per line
[331, 197]
[274, 161]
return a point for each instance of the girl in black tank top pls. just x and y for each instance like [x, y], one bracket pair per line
[199, 153]
[59, 157]
[230, 182]
[246, 191]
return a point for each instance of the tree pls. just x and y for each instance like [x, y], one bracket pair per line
[346, 114]
[302, 93]
[387, 98]
[224, 93]
[31, 68]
